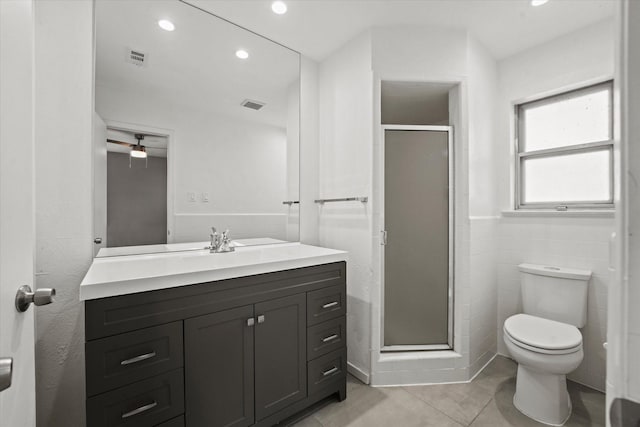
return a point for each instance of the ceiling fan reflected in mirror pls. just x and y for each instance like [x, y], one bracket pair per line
[137, 151]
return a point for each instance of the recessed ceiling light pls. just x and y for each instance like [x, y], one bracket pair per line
[166, 25]
[279, 7]
[538, 2]
[242, 54]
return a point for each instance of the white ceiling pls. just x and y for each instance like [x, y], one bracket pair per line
[316, 28]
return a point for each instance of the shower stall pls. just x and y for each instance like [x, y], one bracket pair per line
[417, 238]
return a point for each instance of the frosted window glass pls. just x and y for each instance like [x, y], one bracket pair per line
[564, 122]
[568, 178]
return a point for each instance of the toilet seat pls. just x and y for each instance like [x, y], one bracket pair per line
[542, 335]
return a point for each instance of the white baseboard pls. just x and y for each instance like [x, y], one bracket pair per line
[358, 373]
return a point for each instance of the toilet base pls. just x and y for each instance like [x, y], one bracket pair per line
[542, 396]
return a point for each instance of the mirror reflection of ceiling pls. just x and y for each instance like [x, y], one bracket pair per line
[219, 81]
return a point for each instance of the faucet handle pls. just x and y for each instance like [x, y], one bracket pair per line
[226, 242]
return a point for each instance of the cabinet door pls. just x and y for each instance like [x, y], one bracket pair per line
[280, 354]
[219, 369]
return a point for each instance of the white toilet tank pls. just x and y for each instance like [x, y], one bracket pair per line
[555, 293]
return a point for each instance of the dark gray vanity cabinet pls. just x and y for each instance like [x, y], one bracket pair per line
[280, 354]
[219, 368]
[250, 351]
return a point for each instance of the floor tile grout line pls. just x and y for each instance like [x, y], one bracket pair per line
[481, 411]
[403, 388]
[317, 420]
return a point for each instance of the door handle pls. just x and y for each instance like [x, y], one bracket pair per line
[6, 371]
[25, 296]
[384, 237]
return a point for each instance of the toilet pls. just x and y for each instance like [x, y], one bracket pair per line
[545, 341]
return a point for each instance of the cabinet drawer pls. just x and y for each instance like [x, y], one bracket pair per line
[142, 404]
[326, 337]
[122, 359]
[176, 422]
[326, 370]
[325, 304]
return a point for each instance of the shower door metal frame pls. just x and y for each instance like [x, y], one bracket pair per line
[451, 184]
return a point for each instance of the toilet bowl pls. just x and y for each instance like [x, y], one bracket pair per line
[545, 340]
[546, 351]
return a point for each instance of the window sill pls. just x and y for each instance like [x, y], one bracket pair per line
[542, 213]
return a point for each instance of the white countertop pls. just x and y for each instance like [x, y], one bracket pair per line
[121, 275]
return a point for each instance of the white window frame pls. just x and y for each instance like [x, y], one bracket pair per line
[521, 156]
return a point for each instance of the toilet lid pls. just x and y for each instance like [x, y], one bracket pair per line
[542, 333]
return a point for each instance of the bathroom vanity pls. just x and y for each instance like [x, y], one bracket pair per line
[197, 339]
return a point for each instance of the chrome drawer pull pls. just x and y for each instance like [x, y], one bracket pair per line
[138, 358]
[140, 410]
[330, 304]
[330, 371]
[330, 338]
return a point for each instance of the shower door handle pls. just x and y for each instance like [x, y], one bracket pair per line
[384, 237]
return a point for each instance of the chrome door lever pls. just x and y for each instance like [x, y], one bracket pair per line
[25, 296]
[6, 371]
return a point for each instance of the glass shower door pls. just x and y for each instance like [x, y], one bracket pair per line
[417, 223]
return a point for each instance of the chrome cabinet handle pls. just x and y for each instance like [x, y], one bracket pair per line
[330, 338]
[140, 410]
[138, 358]
[261, 318]
[330, 371]
[251, 321]
[330, 304]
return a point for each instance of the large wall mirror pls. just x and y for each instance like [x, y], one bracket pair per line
[196, 125]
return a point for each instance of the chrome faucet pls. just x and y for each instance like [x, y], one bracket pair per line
[220, 243]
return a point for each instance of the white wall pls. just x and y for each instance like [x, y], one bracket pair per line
[483, 209]
[241, 165]
[63, 131]
[567, 62]
[345, 162]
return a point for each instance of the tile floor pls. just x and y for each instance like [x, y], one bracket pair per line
[486, 402]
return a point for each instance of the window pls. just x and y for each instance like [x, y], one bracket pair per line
[565, 150]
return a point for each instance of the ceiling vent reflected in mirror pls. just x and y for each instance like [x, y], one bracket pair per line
[135, 57]
[254, 105]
